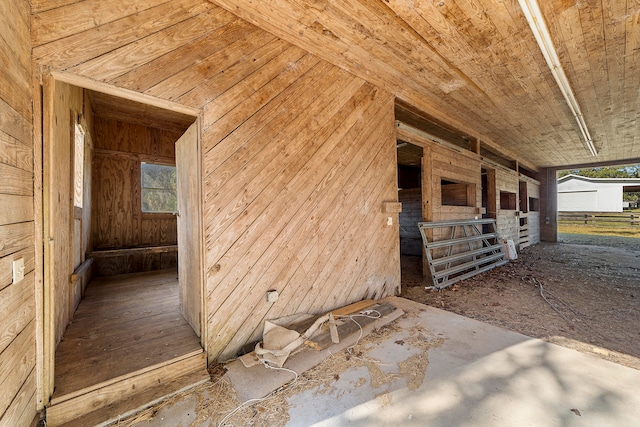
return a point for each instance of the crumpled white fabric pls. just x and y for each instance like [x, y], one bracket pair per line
[278, 342]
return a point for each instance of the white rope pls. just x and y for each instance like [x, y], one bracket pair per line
[365, 313]
[269, 396]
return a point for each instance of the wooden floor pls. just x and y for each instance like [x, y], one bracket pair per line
[124, 324]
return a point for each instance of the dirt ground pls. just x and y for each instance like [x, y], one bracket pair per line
[591, 285]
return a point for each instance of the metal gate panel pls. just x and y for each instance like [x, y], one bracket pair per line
[463, 249]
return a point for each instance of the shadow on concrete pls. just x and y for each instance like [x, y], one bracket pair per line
[480, 376]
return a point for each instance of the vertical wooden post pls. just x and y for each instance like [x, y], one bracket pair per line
[548, 205]
[427, 201]
[492, 194]
[42, 363]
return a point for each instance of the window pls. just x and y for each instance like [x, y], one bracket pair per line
[507, 201]
[457, 194]
[78, 166]
[158, 189]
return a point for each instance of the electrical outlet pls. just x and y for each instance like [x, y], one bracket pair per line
[389, 220]
[272, 296]
[18, 270]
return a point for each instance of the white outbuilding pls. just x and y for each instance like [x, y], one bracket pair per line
[584, 194]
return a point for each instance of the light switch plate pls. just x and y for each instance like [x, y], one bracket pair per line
[18, 270]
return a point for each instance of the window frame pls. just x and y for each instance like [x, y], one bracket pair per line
[156, 213]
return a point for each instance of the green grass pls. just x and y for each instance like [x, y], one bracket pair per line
[602, 230]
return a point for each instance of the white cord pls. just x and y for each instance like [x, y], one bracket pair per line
[365, 313]
[269, 396]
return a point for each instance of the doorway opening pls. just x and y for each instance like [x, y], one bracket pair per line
[123, 306]
[410, 195]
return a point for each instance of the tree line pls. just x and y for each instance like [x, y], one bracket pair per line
[625, 171]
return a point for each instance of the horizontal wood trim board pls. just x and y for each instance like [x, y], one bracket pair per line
[66, 411]
[98, 86]
[81, 270]
[133, 251]
[149, 158]
[192, 356]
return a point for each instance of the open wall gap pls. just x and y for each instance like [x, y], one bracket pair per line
[410, 195]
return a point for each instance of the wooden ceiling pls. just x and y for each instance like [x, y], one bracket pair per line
[474, 67]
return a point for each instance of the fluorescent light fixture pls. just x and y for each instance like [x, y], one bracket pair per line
[536, 22]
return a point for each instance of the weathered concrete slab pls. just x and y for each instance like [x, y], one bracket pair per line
[481, 375]
[435, 368]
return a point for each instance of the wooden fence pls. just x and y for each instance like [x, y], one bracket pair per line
[598, 219]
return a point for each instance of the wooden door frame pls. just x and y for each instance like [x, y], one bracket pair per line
[43, 90]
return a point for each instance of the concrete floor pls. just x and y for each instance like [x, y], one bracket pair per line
[477, 375]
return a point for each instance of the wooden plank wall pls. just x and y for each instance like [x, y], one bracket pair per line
[298, 155]
[450, 164]
[118, 221]
[507, 221]
[17, 301]
[458, 166]
[455, 165]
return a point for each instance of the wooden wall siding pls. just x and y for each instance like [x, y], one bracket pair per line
[506, 219]
[287, 176]
[461, 167]
[118, 221]
[457, 166]
[298, 156]
[444, 163]
[17, 301]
